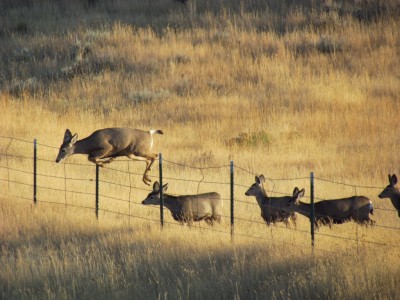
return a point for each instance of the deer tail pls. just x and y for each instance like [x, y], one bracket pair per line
[158, 131]
[371, 208]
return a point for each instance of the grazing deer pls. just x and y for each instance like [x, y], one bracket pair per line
[104, 145]
[188, 208]
[392, 192]
[338, 211]
[272, 208]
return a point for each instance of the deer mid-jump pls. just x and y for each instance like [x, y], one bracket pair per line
[104, 145]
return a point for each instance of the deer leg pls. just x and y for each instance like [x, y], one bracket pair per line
[153, 158]
[148, 168]
[209, 221]
[101, 161]
[217, 218]
[99, 157]
[95, 161]
[149, 161]
[108, 160]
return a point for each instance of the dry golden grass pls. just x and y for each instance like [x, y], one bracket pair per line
[48, 256]
[280, 90]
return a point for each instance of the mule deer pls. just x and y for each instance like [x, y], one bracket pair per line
[272, 208]
[188, 208]
[104, 145]
[392, 192]
[338, 211]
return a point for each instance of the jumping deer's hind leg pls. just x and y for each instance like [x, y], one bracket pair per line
[152, 157]
[149, 160]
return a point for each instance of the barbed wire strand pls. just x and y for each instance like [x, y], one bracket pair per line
[65, 190]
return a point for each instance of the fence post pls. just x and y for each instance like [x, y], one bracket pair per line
[161, 192]
[232, 200]
[97, 190]
[312, 216]
[34, 170]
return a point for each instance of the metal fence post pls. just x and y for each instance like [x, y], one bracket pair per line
[161, 192]
[97, 191]
[34, 170]
[312, 216]
[232, 199]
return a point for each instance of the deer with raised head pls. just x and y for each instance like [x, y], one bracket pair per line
[187, 209]
[104, 145]
[337, 211]
[392, 192]
[272, 208]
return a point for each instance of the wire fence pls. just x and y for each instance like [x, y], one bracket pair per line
[27, 173]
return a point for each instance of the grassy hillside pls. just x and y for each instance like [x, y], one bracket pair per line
[283, 88]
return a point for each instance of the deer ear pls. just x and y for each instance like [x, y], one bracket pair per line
[260, 179]
[74, 138]
[295, 191]
[156, 187]
[165, 187]
[297, 194]
[67, 136]
[393, 179]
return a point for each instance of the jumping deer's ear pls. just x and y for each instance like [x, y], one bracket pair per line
[156, 187]
[67, 136]
[165, 187]
[300, 194]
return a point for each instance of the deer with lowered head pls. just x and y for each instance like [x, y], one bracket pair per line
[392, 192]
[104, 145]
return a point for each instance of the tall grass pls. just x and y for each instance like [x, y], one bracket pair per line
[281, 87]
[44, 256]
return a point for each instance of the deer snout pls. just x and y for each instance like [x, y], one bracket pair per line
[381, 195]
